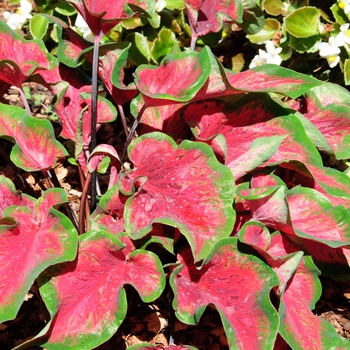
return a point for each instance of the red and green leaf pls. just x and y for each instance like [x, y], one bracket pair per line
[272, 78]
[334, 124]
[208, 16]
[101, 17]
[36, 147]
[283, 256]
[182, 186]
[241, 123]
[299, 326]
[330, 182]
[260, 151]
[238, 285]
[31, 240]
[20, 58]
[166, 119]
[70, 44]
[10, 196]
[326, 94]
[96, 162]
[72, 96]
[86, 298]
[314, 217]
[178, 78]
[111, 72]
[267, 205]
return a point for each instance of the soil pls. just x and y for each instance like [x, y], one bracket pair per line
[144, 322]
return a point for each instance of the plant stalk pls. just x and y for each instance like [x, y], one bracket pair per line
[83, 201]
[93, 142]
[131, 133]
[24, 99]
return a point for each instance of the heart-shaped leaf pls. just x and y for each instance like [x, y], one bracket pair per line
[72, 97]
[308, 207]
[166, 119]
[20, 58]
[296, 304]
[101, 17]
[226, 280]
[178, 78]
[31, 239]
[267, 205]
[111, 72]
[241, 123]
[334, 124]
[256, 234]
[330, 182]
[11, 196]
[208, 16]
[100, 153]
[86, 298]
[36, 147]
[70, 46]
[182, 186]
[272, 78]
[259, 152]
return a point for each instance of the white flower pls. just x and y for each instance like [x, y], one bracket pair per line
[331, 50]
[160, 5]
[344, 5]
[344, 36]
[84, 28]
[271, 55]
[258, 60]
[16, 20]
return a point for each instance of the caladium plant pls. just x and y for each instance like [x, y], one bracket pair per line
[228, 174]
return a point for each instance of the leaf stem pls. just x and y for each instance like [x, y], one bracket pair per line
[93, 142]
[131, 133]
[122, 116]
[66, 207]
[82, 214]
[24, 99]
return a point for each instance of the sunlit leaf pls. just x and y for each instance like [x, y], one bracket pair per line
[86, 298]
[303, 22]
[23, 59]
[31, 239]
[238, 285]
[315, 218]
[208, 16]
[36, 147]
[182, 186]
[299, 326]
